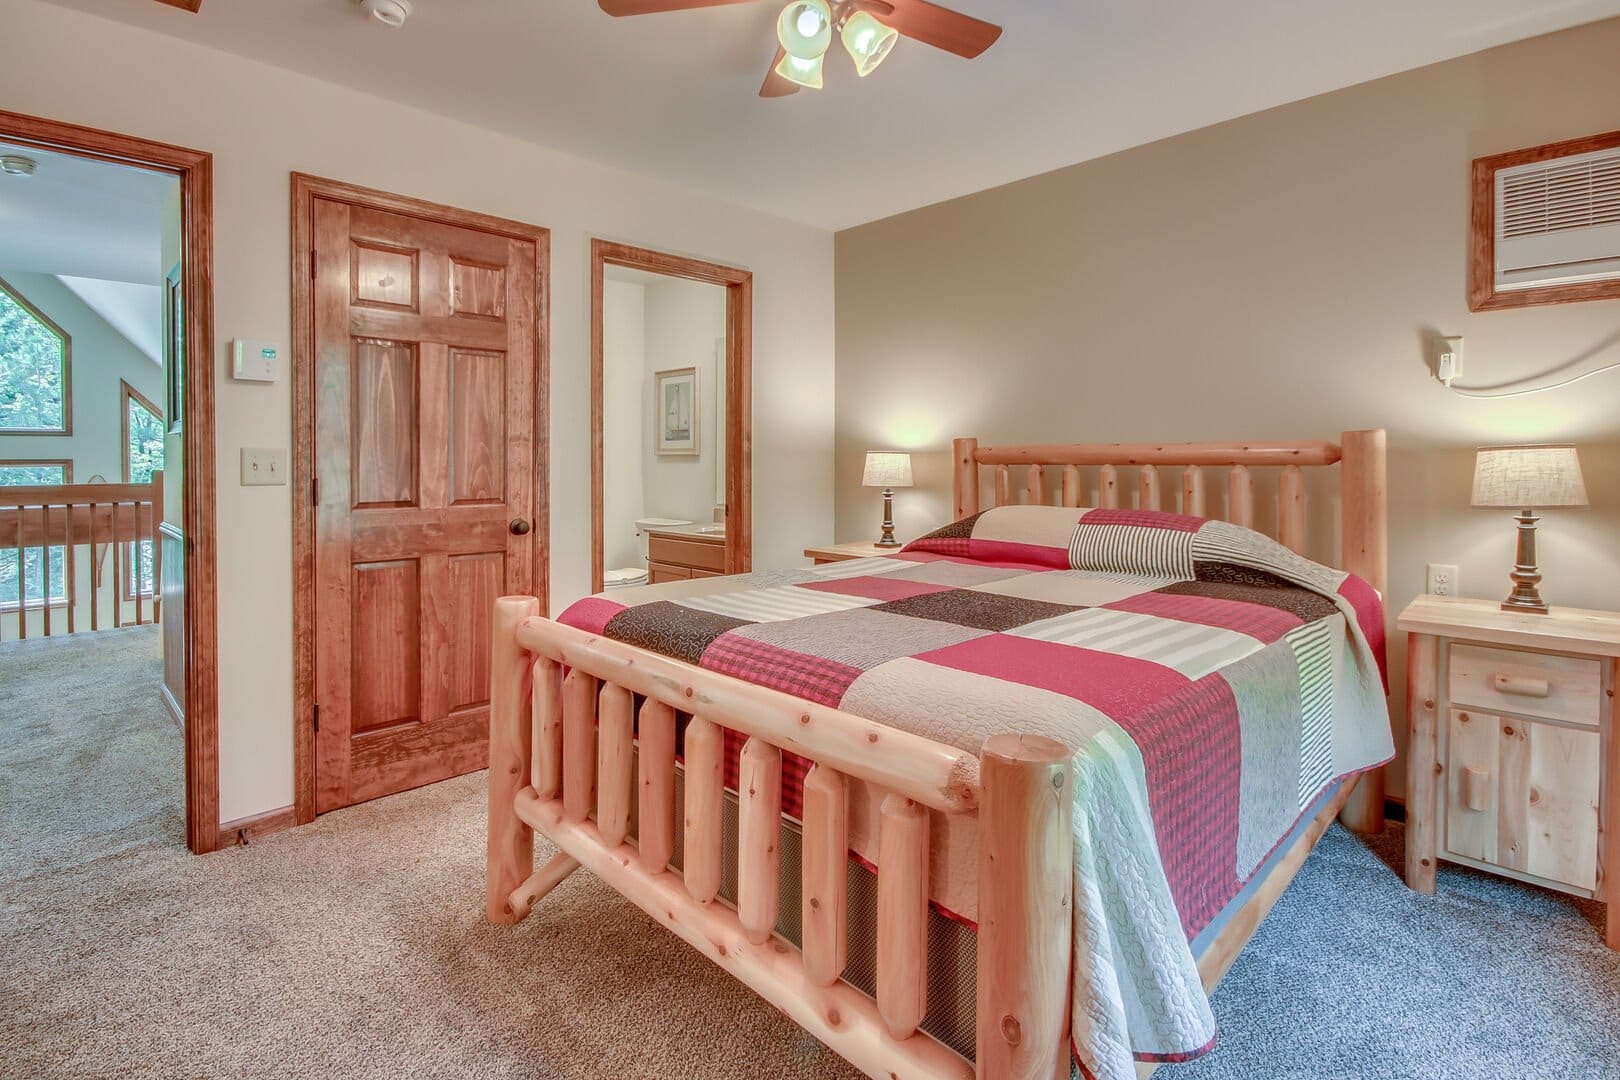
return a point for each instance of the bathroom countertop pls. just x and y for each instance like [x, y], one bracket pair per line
[693, 531]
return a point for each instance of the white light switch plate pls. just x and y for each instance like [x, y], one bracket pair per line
[261, 466]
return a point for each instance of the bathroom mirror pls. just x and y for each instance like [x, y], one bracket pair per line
[670, 362]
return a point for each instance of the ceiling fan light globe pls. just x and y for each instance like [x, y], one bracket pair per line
[867, 41]
[806, 73]
[796, 18]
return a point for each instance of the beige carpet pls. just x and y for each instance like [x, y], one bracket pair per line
[356, 947]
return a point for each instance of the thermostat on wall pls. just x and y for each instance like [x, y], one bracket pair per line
[253, 361]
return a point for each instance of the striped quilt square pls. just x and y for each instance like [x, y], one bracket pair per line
[774, 604]
[1117, 686]
[813, 678]
[861, 567]
[1130, 548]
[1259, 621]
[882, 587]
[1192, 649]
[1313, 653]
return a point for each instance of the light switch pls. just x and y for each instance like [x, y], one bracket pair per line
[261, 466]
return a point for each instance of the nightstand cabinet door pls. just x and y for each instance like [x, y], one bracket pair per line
[1523, 795]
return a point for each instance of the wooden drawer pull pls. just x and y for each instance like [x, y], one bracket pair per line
[1520, 685]
[1475, 787]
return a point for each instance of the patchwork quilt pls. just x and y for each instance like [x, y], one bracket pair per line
[1212, 685]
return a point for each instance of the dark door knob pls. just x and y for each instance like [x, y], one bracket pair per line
[519, 526]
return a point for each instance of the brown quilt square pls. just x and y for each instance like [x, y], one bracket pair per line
[671, 629]
[980, 610]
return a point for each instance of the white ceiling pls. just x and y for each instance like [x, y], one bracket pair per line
[674, 95]
[83, 218]
[135, 311]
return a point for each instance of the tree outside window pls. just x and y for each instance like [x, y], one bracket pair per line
[33, 573]
[35, 369]
[143, 456]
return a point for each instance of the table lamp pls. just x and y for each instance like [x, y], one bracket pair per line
[1527, 479]
[887, 471]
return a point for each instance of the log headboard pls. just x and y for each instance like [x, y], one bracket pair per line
[1360, 456]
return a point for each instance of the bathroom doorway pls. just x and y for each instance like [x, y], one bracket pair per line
[671, 356]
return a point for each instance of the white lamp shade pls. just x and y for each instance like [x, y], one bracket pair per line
[806, 73]
[867, 41]
[886, 470]
[1528, 478]
[805, 28]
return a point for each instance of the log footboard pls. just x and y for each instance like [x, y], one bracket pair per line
[560, 764]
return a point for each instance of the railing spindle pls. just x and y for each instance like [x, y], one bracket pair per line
[117, 571]
[705, 794]
[1108, 487]
[1192, 491]
[22, 581]
[1240, 497]
[759, 823]
[1035, 484]
[545, 769]
[45, 557]
[579, 745]
[825, 860]
[95, 574]
[1003, 485]
[902, 922]
[136, 562]
[655, 831]
[1071, 485]
[1291, 511]
[1148, 488]
[69, 558]
[615, 734]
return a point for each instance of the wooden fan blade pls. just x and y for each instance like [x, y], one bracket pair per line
[619, 8]
[937, 26]
[775, 85]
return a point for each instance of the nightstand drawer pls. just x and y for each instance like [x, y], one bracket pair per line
[1523, 796]
[1556, 687]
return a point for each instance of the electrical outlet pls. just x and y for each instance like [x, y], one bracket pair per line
[1442, 579]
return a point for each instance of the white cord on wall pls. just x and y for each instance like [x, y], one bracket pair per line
[1494, 395]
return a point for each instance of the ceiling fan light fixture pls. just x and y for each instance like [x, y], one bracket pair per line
[805, 29]
[867, 41]
[806, 73]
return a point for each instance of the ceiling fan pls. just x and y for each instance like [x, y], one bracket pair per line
[867, 28]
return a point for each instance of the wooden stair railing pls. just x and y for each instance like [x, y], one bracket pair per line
[120, 517]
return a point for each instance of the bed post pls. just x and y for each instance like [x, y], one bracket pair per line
[1365, 551]
[1026, 916]
[965, 480]
[511, 842]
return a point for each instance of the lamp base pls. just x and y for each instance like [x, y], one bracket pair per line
[1525, 596]
[887, 540]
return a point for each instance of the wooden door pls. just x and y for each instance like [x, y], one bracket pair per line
[425, 375]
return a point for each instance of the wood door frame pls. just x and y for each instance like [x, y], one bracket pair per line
[195, 171]
[739, 494]
[305, 190]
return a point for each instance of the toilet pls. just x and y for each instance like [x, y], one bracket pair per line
[630, 576]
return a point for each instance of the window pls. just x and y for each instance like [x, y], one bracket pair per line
[35, 560]
[143, 456]
[35, 370]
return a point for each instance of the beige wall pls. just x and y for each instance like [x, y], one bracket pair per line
[1273, 276]
[261, 123]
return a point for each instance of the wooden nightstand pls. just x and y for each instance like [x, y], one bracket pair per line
[855, 549]
[1512, 761]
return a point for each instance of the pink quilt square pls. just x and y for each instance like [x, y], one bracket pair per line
[1118, 686]
[591, 614]
[1146, 519]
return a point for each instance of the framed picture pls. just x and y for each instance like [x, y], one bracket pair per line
[675, 419]
[174, 349]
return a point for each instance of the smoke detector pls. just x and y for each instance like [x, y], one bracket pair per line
[17, 165]
[391, 13]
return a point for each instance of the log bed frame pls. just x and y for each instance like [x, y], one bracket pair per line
[561, 752]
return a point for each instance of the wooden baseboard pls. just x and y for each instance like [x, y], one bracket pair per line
[245, 830]
[176, 713]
